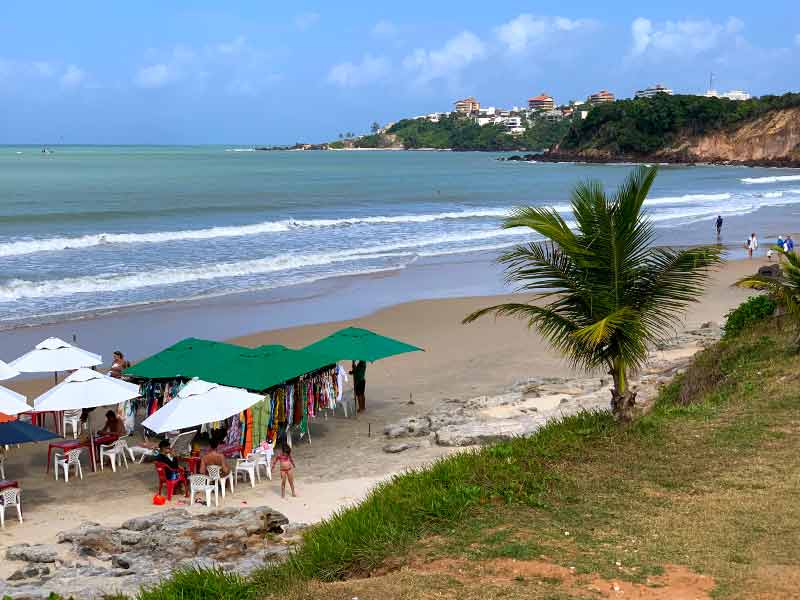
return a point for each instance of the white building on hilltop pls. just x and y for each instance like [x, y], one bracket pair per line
[652, 91]
[736, 95]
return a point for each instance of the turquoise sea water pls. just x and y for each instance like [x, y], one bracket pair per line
[83, 228]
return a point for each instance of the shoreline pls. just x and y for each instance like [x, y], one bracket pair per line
[566, 157]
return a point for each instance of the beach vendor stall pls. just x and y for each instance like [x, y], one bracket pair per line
[360, 346]
[295, 386]
[278, 374]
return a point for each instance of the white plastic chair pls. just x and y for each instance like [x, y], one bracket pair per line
[112, 451]
[248, 466]
[10, 497]
[215, 475]
[201, 483]
[71, 459]
[182, 443]
[264, 459]
[73, 419]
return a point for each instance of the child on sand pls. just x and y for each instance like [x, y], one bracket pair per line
[284, 457]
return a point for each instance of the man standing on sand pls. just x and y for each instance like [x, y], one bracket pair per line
[359, 373]
[752, 245]
[719, 225]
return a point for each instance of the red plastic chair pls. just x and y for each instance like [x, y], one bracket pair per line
[162, 469]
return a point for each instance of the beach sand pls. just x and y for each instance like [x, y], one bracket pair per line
[345, 458]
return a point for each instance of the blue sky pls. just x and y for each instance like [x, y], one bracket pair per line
[262, 71]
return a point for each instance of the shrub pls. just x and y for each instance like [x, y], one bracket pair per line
[747, 313]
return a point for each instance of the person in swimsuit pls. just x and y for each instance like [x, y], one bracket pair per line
[118, 366]
[284, 457]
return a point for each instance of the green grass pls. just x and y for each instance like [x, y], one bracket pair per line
[685, 484]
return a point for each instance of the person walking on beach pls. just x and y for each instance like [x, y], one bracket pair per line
[718, 224]
[752, 245]
[359, 373]
[284, 457]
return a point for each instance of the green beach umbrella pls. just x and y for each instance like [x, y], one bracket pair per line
[354, 343]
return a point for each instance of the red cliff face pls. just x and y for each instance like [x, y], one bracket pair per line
[771, 137]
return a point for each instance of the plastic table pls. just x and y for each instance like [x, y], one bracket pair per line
[8, 483]
[67, 445]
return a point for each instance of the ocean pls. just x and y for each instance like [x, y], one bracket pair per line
[84, 229]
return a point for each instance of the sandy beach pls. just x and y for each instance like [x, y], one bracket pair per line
[345, 457]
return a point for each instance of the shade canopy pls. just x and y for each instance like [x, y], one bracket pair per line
[7, 372]
[20, 432]
[86, 389]
[354, 343]
[228, 364]
[12, 403]
[54, 355]
[200, 402]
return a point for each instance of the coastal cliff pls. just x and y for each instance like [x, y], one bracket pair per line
[772, 137]
[687, 129]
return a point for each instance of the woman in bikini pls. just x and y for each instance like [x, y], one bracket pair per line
[284, 457]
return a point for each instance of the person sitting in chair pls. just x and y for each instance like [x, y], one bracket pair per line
[164, 455]
[114, 425]
[213, 457]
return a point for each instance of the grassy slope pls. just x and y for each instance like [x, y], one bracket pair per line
[711, 486]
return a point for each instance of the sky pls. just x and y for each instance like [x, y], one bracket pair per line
[267, 72]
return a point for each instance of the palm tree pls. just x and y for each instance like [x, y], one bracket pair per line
[608, 292]
[785, 289]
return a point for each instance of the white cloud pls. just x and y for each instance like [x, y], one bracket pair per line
[72, 76]
[448, 61]
[43, 68]
[526, 31]
[25, 73]
[154, 76]
[306, 20]
[233, 67]
[384, 29]
[235, 46]
[681, 38]
[368, 70]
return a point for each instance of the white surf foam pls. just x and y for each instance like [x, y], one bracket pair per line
[17, 289]
[21, 247]
[687, 199]
[771, 179]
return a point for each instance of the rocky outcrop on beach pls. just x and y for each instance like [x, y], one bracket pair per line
[93, 560]
[530, 404]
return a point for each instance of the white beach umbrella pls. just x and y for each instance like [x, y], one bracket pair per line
[7, 372]
[12, 403]
[200, 402]
[53, 355]
[86, 389]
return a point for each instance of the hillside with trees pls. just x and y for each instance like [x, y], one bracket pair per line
[688, 128]
[456, 132]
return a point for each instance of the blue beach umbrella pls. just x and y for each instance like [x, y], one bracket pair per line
[20, 432]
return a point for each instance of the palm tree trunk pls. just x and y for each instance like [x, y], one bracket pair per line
[623, 400]
[623, 405]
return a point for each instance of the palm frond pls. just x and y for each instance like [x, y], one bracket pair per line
[604, 292]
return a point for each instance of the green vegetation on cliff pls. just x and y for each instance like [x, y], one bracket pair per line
[643, 126]
[459, 133]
